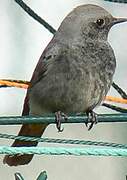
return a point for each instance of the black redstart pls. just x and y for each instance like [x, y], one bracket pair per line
[74, 72]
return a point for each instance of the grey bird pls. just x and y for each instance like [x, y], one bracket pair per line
[74, 73]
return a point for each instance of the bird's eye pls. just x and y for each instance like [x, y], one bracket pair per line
[100, 22]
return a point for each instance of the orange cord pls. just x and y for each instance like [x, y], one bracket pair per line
[25, 85]
[15, 83]
[116, 99]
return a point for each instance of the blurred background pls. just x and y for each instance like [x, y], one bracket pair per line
[22, 40]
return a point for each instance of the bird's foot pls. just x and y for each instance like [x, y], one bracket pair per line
[92, 119]
[58, 117]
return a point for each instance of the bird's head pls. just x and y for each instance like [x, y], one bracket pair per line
[88, 22]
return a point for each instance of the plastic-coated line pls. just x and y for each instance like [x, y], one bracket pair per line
[64, 151]
[12, 120]
[35, 16]
[63, 141]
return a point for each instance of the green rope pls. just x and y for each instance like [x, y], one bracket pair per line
[118, 1]
[121, 92]
[116, 108]
[64, 151]
[63, 141]
[11, 120]
[35, 16]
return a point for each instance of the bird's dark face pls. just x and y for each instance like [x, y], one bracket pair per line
[98, 27]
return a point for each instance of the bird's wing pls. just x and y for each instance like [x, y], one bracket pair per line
[47, 55]
[40, 69]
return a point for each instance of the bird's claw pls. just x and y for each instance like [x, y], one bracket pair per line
[59, 116]
[92, 119]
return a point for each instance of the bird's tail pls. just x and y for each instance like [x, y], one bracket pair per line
[26, 130]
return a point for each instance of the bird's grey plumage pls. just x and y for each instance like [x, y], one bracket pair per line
[74, 72]
[79, 64]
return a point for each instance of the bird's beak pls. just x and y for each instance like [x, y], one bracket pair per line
[118, 20]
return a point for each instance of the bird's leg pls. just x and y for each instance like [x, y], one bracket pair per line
[92, 119]
[59, 116]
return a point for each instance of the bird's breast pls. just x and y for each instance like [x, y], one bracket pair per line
[74, 82]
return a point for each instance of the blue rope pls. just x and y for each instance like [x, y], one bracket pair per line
[64, 151]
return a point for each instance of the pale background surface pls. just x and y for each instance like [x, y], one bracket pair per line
[22, 41]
